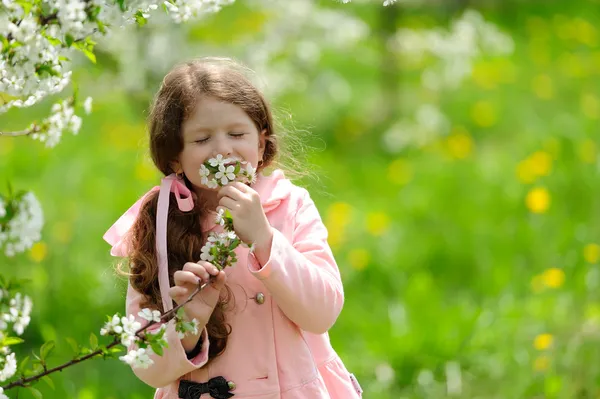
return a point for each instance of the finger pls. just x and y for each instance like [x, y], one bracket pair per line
[210, 268]
[243, 188]
[211, 293]
[196, 269]
[231, 192]
[183, 278]
[177, 292]
[229, 203]
[219, 282]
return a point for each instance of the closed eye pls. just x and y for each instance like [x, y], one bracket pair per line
[201, 140]
[237, 135]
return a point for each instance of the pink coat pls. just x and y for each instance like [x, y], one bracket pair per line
[279, 348]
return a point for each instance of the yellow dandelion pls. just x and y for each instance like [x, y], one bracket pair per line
[400, 172]
[359, 258]
[338, 216]
[538, 200]
[459, 143]
[590, 106]
[543, 87]
[541, 162]
[484, 114]
[591, 253]
[541, 363]
[543, 341]
[553, 277]
[38, 251]
[377, 223]
[588, 151]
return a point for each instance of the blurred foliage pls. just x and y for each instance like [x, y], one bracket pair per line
[470, 261]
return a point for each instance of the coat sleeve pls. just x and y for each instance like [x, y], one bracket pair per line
[173, 364]
[302, 275]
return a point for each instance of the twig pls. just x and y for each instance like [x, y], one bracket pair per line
[23, 382]
[25, 132]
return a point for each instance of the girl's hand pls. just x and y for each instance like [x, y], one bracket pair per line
[249, 220]
[186, 282]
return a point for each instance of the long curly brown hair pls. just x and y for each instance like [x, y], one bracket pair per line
[178, 95]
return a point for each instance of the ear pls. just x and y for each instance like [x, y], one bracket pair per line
[262, 143]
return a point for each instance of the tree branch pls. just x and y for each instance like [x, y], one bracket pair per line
[23, 382]
[25, 132]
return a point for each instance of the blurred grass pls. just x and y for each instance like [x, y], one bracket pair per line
[479, 249]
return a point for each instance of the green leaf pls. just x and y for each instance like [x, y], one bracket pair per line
[53, 41]
[140, 19]
[69, 40]
[49, 381]
[73, 344]
[23, 364]
[93, 341]
[37, 394]
[12, 341]
[101, 27]
[157, 349]
[46, 349]
[89, 54]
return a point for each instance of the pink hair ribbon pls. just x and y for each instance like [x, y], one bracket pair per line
[185, 203]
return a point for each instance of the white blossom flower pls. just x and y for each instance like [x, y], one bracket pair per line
[24, 228]
[212, 183]
[150, 315]
[204, 172]
[225, 174]
[2, 395]
[138, 358]
[2, 208]
[217, 161]
[220, 218]
[10, 367]
[114, 325]
[205, 252]
[130, 327]
[18, 313]
[87, 105]
[251, 173]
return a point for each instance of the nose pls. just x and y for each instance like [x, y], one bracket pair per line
[221, 146]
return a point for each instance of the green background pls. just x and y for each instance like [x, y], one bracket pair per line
[469, 256]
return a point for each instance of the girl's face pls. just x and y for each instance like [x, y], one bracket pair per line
[216, 127]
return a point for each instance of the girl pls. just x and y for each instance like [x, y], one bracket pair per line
[263, 334]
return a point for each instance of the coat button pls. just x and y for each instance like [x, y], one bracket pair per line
[231, 385]
[260, 298]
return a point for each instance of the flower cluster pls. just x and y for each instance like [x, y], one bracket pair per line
[220, 171]
[38, 38]
[142, 342]
[21, 222]
[14, 312]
